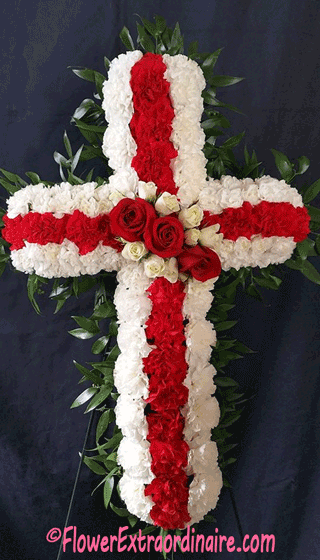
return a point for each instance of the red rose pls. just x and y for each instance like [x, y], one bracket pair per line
[130, 217]
[201, 262]
[165, 236]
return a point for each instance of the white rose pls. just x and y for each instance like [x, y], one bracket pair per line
[134, 251]
[191, 236]
[115, 197]
[166, 204]
[210, 238]
[154, 266]
[171, 270]
[191, 217]
[147, 191]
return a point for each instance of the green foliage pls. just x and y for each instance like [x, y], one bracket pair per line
[101, 326]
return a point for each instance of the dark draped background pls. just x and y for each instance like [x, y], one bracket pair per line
[275, 46]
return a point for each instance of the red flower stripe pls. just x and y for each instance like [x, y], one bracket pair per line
[266, 218]
[151, 124]
[166, 368]
[38, 228]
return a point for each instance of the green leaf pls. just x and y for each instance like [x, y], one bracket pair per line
[303, 165]
[223, 81]
[294, 264]
[144, 40]
[314, 213]
[113, 355]
[160, 24]
[93, 376]
[253, 292]
[233, 141]
[90, 128]
[2, 268]
[95, 467]
[225, 325]
[126, 39]
[84, 73]
[311, 192]
[87, 324]
[99, 397]
[209, 518]
[34, 177]
[103, 423]
[225, 382]
[67, 144]
[76, 158]
[209, 96]
[112, 442]
[230, 419]
[60, 159]
[132, 520]
[83, 108]
[107, 491]
[32, 286]
[9, 187]
[150, 27]
[269, 283]
[99, 81]
[99, 345]
[13, 177]
[106, 63]
[82, 334]
[208, 63]
[215, 102]
[318, 244]
[306, 248]
[84, 397]
[210, 60]
[310, 272]
[193, 49]
[106, 309]
[122, 512]
[283, 164]
[242, 348]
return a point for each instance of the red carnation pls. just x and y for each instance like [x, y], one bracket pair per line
[83, 231]
[152, 163]
[201, 262]
[44, 228]
[12, 232]
[129, 218]
[147, 81]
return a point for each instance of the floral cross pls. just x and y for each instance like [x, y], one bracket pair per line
[168, 231]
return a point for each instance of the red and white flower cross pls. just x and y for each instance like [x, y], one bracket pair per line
[167, 230]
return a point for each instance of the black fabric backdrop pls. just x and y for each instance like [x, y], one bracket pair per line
[275, 46]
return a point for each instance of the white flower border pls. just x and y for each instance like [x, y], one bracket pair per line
[202, 411]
